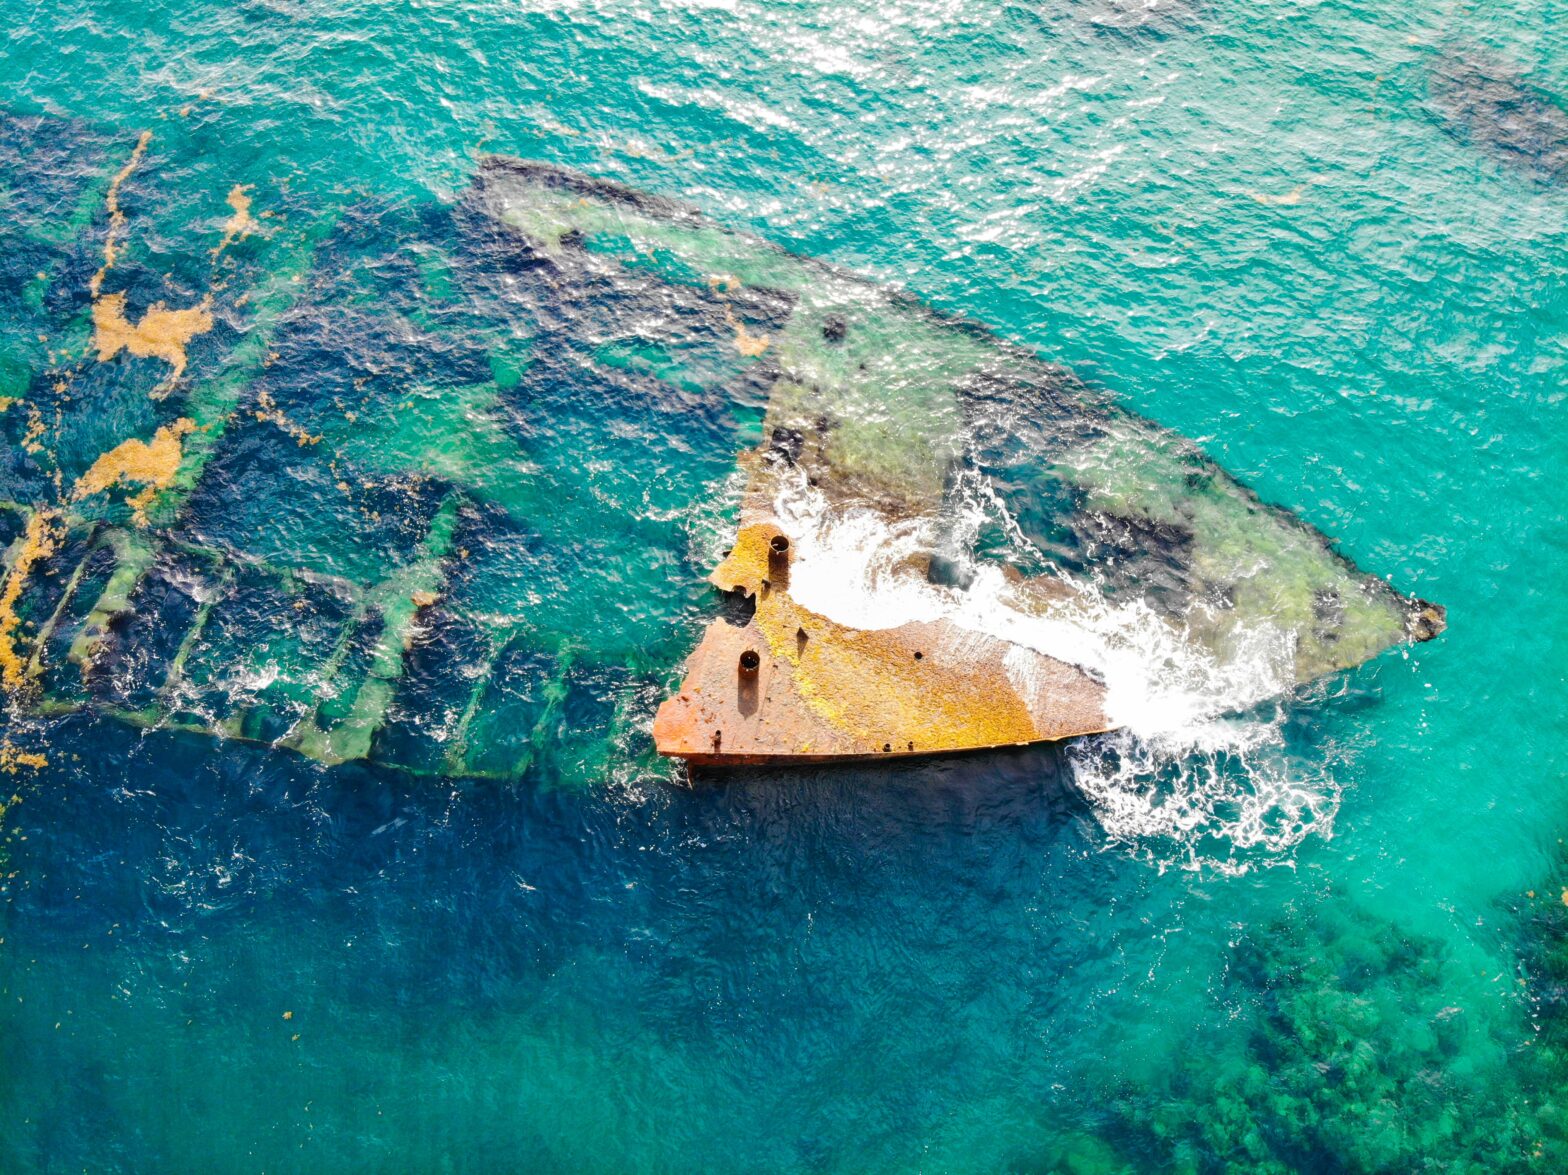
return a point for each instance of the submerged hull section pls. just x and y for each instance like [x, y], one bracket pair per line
[360, 478]
[976, 462]
[423, 484]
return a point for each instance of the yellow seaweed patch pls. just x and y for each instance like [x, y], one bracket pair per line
[153, 463]
[272, 414]
[13, 760]
[161, 334]
[242, 223]
[37, 544]
[111, 200]
[32, 439]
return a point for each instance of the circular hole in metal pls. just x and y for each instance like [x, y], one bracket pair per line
[780, 544]
[749, 661]
[919, 655]
[887, 746]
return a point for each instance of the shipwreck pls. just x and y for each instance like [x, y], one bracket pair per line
[414, 483]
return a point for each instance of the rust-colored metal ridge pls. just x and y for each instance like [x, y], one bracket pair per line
[792, 686]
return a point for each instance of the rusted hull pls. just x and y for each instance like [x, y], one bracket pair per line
[791, 686]
[722, 762]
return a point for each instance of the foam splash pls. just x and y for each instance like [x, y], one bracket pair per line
[1198, 775]
[1223, 794]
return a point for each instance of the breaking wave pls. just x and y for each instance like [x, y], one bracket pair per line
[1199, 772]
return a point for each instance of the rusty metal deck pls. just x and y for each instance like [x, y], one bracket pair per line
[791, 686]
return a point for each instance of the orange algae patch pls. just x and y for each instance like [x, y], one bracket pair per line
[272, 414]
[13, 760]
[1284, 200]
[153, 463]
[111, 201]
[38, 543]
[161, 334]
[32, 439]
[748, 344]
[242, 223]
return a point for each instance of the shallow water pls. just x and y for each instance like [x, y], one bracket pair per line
[1325, 933]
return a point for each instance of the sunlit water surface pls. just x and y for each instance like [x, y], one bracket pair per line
[1324, 932]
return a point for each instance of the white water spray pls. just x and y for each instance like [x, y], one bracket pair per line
[1197, 773]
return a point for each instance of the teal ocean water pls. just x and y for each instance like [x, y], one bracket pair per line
[1328, 931]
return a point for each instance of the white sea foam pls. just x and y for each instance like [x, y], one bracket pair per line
[1197, 774]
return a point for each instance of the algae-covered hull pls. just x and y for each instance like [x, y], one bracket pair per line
[352, 474]
[961, 457]
[433, 483]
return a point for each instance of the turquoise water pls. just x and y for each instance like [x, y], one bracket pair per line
[1327, 242]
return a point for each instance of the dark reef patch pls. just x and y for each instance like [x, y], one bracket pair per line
[1355, 1060]
[1488, 103]
[1152, 18]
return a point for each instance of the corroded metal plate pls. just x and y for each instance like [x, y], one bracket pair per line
[820, 691]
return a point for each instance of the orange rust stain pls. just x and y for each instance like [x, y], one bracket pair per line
[823, 691]
[746, 565]
[869, 683]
